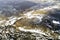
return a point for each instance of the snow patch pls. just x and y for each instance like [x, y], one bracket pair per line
[56, 22]
[32, 30]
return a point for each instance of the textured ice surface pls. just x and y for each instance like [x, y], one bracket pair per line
[29, 19]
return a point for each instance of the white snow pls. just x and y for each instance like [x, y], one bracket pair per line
[51, 7]
[32, 30]
[30, 15]
[12, 20]
[56, 22]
